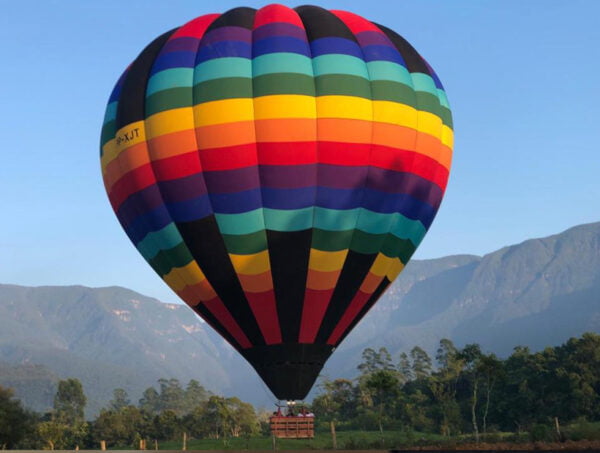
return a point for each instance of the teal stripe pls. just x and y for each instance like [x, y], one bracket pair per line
[281, 62]
[334, 219]
[386, 70]
[374, 222]
[244, 223]
[222, 67]
[170, 78]
[405, 228]
[424, 82]
[443, 98]
[111, 112]
[154, 242]
[339, 64]
[288, 220]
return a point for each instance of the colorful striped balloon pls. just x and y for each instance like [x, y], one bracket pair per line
[278, 168]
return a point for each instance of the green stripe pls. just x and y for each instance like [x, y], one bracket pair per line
[283, 83]
[398, 248]
[109, 130]
[405, 228]
[443, 98]
[343, 85]
[331, 241]
[164, 239]
[288, 220]
[374, 222]
[243, 223]
[219, 68]
[166, 260]
[430, 103]
[170, 78]
[387, 90]
[281, 62]
[225, 88]
[168, 99]
[339, 64]
[367, 243]
[246, 244]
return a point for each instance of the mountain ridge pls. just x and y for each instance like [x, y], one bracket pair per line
[537, 293]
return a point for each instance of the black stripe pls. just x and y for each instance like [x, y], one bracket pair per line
[374, 298]
[320, 23]
[205, 243]
[236, 17]
[289, 254]
[131, 107]
[356, 268]
[414, 61]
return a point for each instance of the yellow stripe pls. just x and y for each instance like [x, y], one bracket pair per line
[347, 107]
[180, 277]
[381, 265]
[285, 106]
[327, 261]
[224, 111]
[170, 121]
[251, 264]
[447, 136]
[127, 136]
[395, 269]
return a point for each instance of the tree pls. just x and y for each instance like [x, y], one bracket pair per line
[443, 385]
[69, 402]
[120, 400]
[383, 385]
[150, 401]
[53, 433]
[335, 399]
[375, 360]
[405, 368]
[491, 369]
[15, 421]
[195, 395]
[421, 363]
[471, 358]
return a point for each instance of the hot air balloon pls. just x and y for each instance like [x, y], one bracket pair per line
[277, 168]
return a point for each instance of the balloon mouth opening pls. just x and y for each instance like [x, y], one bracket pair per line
[289, 380]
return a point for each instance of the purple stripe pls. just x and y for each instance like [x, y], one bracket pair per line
[408, 183]
[181, 189]
[288, 176]
[279, 29]
[223, 49]
[373, 38]
[184, 44]
[342, 177]
[232, 181]
[227, 34]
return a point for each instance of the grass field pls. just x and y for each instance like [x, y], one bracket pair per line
[346, 440]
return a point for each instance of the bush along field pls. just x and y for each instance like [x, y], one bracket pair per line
[462, 396]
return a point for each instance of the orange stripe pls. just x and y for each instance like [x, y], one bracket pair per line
[322, 280]
[256, 283]
[370, 283]
[174, 144]
[130, 159]
[197, 293]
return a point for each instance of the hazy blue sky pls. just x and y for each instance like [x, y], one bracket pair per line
[521, 76]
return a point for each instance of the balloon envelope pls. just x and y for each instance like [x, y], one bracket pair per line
[278, 168]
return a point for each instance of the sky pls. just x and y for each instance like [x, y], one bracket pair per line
[521, 78]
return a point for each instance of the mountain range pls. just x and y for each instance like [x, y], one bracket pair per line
[537, 293]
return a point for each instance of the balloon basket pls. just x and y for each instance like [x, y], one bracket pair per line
[293, 424]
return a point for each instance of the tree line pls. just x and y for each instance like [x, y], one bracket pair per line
[458, 391]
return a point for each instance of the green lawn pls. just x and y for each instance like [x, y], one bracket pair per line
[345, 440]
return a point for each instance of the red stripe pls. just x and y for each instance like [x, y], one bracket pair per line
[219, 311]
[355, 23]
[348, 154]
[176, 167]
[130, 183]
[358, 302]
[410, 162]
[265, 311]
[196, 27]
[229, 157]
[276, 13]
[287, 153]
[315, 305]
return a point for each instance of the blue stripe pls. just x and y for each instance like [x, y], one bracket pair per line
[235, 203]
[303, 197]
[325, 46]
[382, 53]
[280, 44]
[224, 49]
[172, 60]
